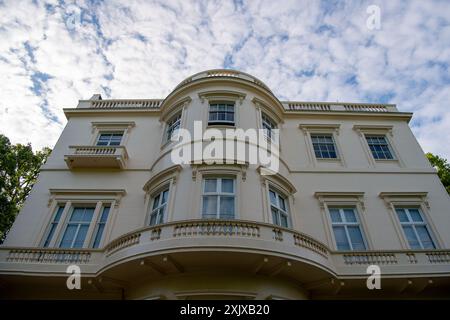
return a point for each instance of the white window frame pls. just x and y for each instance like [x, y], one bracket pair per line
[279, 210]
[346, 225]
[53, 226]
[268, 125]
[222, 122]
[101, 223]
[112, 127]
[173, 125]
[332, 141]
[156, 211]
[384, 136]
[79, 224]
[413, 225]
[110, 132]
[219, 194]
[70, 198]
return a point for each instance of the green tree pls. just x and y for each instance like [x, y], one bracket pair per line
[19, 169]
[442, 167]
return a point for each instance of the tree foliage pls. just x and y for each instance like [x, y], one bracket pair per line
[19, 169]
[443, 169]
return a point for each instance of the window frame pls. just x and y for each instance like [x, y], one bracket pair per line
[278, 208]
[219, 194]
[346, 224]
[222, 122]
[109, 132]
[79, 223]
[333, 142]
[267, 119]
[170, 125]
[151, 210]
[413, 224]
[387, 142]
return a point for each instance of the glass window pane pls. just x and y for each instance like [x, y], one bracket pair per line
[415, 215]
[77, 214]
[411, 237]
[87, 214]
[105, 214]
[425, 237]
[356, 238]
[210, 185]
[341, 238]
[79, 241]
[50, 235]
[282, 203]
[335, 215]
[68, 236]
[284, 221]
[275, 216]
[156, 202]
[402, 215]
[228, 185]
[350, 215]
[273, 198]
[153, 217]
[98, 236]
[58, 213]
[227, 206]
[164, 196]
[210, 206]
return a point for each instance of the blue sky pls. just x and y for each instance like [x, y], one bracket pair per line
[53, 53]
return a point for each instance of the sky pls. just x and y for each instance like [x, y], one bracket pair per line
[53, 53]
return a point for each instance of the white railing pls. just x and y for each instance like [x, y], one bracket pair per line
[99, 151]
[36, 255]
[334, 106]
[126, 103]
[237, 234]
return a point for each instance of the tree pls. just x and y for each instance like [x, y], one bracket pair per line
[19, 169]
[443, 169]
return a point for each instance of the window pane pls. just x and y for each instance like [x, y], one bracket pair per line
[153, 218]
[82, 231]
[273, 198]
[356, 238]
[50, 234]
[341, 238]
[415, 215]
[210, 206]
[402, 215]
[98, 236]
[105, 214]
[335, 215]
[411, 237]
[77, 214]
[58, 214]
[227, 206]
[227, 185]
[425, 237]
[275, 217]
[164, 196]
[68, 236]
[284, 221]
[350, 215]
[87, 214]
[282, 203]
[156, 202]
[210, 185]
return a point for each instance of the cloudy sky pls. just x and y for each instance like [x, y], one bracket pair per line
[55, 52]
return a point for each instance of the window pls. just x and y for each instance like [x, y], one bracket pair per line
[101, 227]
[218, 198]
[346, 229]
[415, 228]
[53, 225]
[110, 139]
[379, 147]
[324, 147]
[77, 227]
[278, 207]
[173, 125]
[268, 126]
[221, 113]
[159, 204]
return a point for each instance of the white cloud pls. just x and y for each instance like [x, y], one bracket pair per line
[311, 50]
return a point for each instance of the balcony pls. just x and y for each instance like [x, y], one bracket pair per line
[97, 157]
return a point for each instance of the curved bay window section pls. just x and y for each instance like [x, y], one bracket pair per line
[268, 125]
[173, 125]
[279, 208]
[159, 206]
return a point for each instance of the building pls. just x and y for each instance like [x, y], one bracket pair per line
[352, 189]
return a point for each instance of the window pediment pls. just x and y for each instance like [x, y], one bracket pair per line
[222, 95]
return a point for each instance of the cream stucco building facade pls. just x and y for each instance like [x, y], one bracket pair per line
[353, 189]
